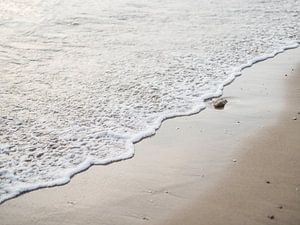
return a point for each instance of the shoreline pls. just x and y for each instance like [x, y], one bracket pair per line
[89, 162]
[141, 190]
[237, 72]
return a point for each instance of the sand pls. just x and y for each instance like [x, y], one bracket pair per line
[239, 165]
[264, 185]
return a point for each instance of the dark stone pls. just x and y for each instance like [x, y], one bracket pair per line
[271, 217]
[220, 103]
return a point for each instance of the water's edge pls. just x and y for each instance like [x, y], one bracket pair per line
[149, 132]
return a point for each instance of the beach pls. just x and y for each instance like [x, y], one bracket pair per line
[82, 83]
[239, 165]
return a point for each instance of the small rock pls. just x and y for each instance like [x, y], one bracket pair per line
[268, 182]
[166, 192]
[294, 118]
[280, 207]
[285, 75]
[271, 217]
[234, 160]
[238, 122]
[145, 218]
[177, 128]
[220, 103]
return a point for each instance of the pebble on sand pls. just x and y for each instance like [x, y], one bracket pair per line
[294, 118]
[271, 217]
[220, 103]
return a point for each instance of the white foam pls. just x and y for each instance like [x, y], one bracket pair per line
[80, 86]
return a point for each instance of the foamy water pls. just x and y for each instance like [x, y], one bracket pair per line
[81, 81]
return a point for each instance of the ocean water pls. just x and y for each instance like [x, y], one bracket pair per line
[81, 81]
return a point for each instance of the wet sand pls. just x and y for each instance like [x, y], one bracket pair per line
[239, 165]
[264, 185]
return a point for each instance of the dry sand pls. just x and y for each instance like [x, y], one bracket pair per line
[240, 165]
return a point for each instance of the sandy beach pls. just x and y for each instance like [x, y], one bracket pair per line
[239, 165]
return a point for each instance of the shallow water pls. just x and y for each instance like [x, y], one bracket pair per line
[80, 81]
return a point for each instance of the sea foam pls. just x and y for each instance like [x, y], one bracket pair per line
[82, 82]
